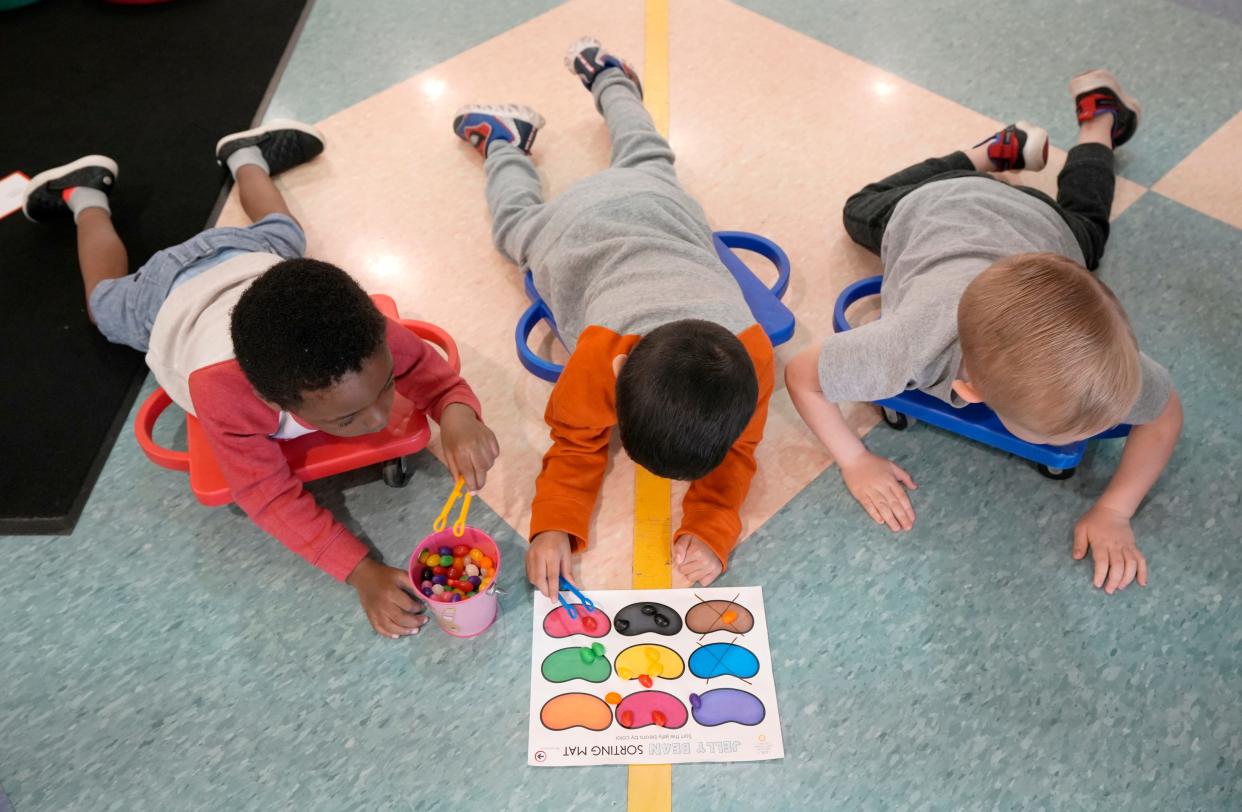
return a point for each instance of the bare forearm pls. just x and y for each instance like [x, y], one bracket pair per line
[1147, 452]
[821, 415]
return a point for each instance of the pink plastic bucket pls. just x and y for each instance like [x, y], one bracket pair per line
[470, 616]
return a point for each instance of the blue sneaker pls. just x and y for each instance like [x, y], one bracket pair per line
[481, 125]
[587, 59]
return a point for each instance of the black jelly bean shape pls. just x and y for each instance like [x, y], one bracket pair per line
[648, 609]
[621, 624]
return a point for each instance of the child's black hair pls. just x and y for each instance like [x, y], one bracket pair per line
[684, 396]
[301, 326]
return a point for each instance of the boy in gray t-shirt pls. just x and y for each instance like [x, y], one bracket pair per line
[986, 298]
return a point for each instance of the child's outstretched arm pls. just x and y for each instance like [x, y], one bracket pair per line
[878, 484]
[711, 510]
[1105, 528]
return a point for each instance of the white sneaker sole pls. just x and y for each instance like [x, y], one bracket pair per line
[579, 45]
[1099, 77]
[521, 111]
[271, 126]
[64, 169]
[1035, 150]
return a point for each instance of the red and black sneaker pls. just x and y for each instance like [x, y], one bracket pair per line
[587, 59]
[1097, 92]
[1018, 146]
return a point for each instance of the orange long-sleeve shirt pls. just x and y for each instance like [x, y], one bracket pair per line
[582, 412]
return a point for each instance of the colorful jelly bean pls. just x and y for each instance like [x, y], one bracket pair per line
[438, 589]
[612, 698]
[476, 555]
[427, 591]
[486, 563]
[446, 560]
[461, 550]
[474, 580]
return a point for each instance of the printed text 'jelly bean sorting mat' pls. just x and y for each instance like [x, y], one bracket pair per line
[653, 676]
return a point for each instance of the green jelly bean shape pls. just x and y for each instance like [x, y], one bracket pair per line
[568, 664]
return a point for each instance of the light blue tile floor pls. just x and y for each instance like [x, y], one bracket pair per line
[351, 50]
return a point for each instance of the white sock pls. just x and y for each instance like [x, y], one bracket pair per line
[84, 197]
[252, 156]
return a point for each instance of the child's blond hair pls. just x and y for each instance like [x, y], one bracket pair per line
[1048, 345]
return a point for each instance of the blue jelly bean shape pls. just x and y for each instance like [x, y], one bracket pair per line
[723, 660]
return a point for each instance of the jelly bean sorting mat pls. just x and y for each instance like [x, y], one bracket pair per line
[652, 676]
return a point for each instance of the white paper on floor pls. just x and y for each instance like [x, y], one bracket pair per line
[653, 676]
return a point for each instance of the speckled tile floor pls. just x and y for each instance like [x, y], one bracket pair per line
[167, 656]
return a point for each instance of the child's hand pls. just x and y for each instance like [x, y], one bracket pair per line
[1107, 532]
[695, 560]
[880, 485]
[547, 560]
[470, 448]
[385, 595]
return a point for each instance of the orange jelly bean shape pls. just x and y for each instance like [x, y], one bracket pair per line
[728, 617]
[612, 698]
[486, 563]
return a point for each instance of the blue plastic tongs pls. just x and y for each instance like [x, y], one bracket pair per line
[565, 586]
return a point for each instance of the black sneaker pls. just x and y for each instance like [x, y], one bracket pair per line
[1098, 91]
[587, 59]
[479, 125]
[284, 144]
[44, 198]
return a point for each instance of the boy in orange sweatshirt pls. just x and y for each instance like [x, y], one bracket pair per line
[663, 345]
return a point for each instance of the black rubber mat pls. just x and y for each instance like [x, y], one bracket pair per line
[153, 87]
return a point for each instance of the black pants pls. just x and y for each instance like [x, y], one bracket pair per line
[1084, 197]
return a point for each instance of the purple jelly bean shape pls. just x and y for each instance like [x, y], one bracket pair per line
[722, 705]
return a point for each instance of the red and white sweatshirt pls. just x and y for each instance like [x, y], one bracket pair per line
[191, 355]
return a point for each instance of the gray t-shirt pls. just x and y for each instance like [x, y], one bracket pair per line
[940, 237]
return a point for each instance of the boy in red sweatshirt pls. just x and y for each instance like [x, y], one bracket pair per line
[263, 345]
[663, 345]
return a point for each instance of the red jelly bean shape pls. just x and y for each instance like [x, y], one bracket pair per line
[461, 550]
[627, 718]
[439, 570]
[589, 623]
[659, 718]
[644, 680]
[454, 573]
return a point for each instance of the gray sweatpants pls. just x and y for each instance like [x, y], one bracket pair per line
[626, 248]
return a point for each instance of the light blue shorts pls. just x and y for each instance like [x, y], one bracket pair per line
[125, 309]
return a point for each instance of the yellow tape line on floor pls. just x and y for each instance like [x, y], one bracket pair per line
[651, 785]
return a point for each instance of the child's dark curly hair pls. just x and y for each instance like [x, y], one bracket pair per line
[301, 326]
